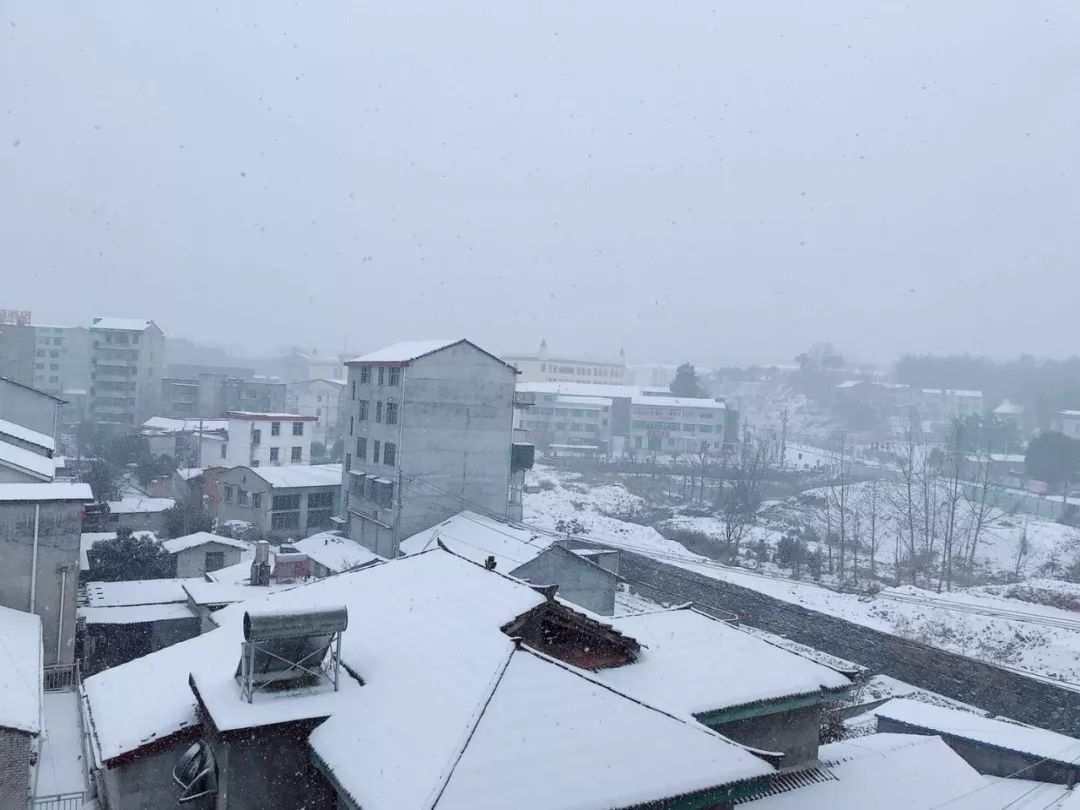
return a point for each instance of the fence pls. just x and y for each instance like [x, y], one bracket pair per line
[62, 801]
[60, 677]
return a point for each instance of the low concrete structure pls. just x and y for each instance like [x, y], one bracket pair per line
[139, 513]
[200, 553]
[20, 703]
[293, 501]
[27, 406]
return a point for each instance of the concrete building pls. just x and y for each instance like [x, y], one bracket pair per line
[201, 553]
[281, 502]
[17, 352]
[20, 711]
[192, 442]
[61, 359]
[138, 513]
[321, 399]
[127, 356]
[30, 407]
[211, 395]
[542, 367]
[1068, 422]
[523, 553]
[267, 439]
[40, 528]
[566, 422]
[430, 428]
[676, 425]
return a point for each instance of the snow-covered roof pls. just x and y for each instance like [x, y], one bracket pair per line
[167, 424]
[1036, 742]
[137, 505]
[1070, 414]
[21, 670]
[137, 592]
[849, 383]
[202, 592]
[502, 726]
[335, 552]
[1009, 408]
[256, 416]
[27, 435]
[290, 476]
[187, 473]
[136, 614]
[695, 664]
[127, 324]
[579, 389]
[405, 351]
[554, 738]
[476, 537]
[51, 491]
[87, 540]
[27, 461]
[902, 772]
[578, 400]
[960, 392]
[178, 544]
[677, 402]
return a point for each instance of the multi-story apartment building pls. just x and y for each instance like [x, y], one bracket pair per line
[267, 439]
[675, 425]
[428, 432]
[126, 357]
[321, 399]
[211, 395]
[61, 358]
[17, 352]
[542, 367]
[554, 421]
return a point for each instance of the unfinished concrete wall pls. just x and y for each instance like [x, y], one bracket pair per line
[144, 781]
[28, 407]
[579, 580]
[56, 577]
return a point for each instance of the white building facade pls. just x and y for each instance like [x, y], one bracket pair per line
[542, 367]
[126, 360]
[676, 425]
[320, 399]
[428, 431]
[267, 439]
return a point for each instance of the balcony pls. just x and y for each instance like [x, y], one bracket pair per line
[60, 781]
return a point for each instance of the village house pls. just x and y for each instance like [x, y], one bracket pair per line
[430, 429]
[26, 456]
[525, 554]
[138, 513]
[201, 553]
[191, 442]
[267, 439]
[321, 399]
[330, 553]
[291, 501]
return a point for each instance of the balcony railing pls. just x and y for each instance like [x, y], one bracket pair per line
[60, 677]
[61, 801]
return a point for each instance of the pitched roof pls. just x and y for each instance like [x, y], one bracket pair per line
[136, 592]
[476, 537]
[168, 424]
[1036, 742]
[295, 476]
[178, 544]
[335, 552]
[126, 324]
[21, 671]
[35, 390]
[27, 435]
[696, 664]
[52, 491]
[140, 505]
[27, 461]
[136, 614]
[407, 351]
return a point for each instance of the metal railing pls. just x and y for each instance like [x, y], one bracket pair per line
[60, 801]
[61, 677]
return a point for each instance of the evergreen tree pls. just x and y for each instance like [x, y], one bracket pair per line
[127, 557]
[686, 382]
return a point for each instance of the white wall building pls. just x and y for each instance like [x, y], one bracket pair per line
[267, 439]
[61, 358]
[675, 425]
[127, 356]
[1068, 422]
[556, 421]
[542, 367]
[429, 432]
[322, 400]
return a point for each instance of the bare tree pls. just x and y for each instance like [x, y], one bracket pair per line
[904, 499]
[983, 502]
[739, 495]
[872, 513]
[953, 496]
[838, 491]
[784, 417]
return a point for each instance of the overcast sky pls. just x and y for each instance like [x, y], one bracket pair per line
[719, 181]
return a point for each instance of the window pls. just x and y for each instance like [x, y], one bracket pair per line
[297, 428]
[348, 461]
[361, 448]
[54, 379]
[382, 374]
[214, 560]
[320, 500]
[224, 450]
[242, 497]
[41, 353]
[54, 367]
[389, 455]
[256, 500]
[395, 376]
[391, 413]
[285, 520]
[352, 387]
[352, 425]
[273, 454]
[228, 493]
[285, 502]
[296, 454]
[378, 411]
[319, 398]
[375, 454]
[363, 410]
[256, 438]
[275, 428]
[54, 353]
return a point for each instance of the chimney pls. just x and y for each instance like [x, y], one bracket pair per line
[489, 563]
[260, 566]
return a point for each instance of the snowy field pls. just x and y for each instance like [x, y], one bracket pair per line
[1027, 625]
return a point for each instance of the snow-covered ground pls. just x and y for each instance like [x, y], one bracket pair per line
[1015, 626]
[60, 758]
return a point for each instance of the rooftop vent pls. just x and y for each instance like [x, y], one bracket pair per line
[260, 566]
[290, 649]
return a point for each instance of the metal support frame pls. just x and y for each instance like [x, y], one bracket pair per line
[248, 686]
